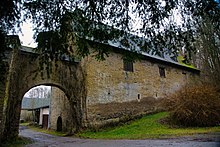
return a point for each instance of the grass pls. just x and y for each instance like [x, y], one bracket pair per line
[146, 127]
[19, 142]
[51, 132]
[25, 124]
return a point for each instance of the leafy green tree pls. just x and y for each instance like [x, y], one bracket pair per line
[160, 24]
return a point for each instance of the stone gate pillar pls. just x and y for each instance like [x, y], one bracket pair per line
[12, 101]
[2, 96]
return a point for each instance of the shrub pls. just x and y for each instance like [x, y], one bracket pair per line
[197, 106]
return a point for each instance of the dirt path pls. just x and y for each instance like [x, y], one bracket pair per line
[45, 140]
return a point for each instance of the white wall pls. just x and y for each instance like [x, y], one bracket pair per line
[43, 111]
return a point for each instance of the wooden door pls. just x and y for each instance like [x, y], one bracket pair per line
[45, 121]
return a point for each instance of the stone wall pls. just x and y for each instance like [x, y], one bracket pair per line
[60, 106]
[98, 92]
[23, 75]
[113, 93]
[2, 95]
[3, 83]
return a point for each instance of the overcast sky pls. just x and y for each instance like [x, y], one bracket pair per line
[27, 94]
[26, 36]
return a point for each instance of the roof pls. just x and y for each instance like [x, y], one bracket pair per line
[166, 60]
[133, 43]
[28, 49]
[125, 41]
[34, 103]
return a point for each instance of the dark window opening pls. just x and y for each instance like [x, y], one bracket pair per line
[162, 72]
[139, 96]
[128, 66]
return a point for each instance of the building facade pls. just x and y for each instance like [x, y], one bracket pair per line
[36, 110]
[60, 111]
[117, 90]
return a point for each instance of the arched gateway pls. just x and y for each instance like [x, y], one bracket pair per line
[99, 93]
[23, 74]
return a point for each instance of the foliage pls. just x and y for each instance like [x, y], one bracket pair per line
[9, 16]
[146, 127]
[158, 24]
[19, 142]
[172, 25]
[2, 49]
[181, 59]
[194, 106]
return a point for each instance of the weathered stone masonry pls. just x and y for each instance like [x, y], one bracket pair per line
[113, 94]
[23, 75]
[60, 107]
[98, 92]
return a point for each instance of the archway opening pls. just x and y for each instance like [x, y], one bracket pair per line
[35, 105]
[47, 106]
[59, 124]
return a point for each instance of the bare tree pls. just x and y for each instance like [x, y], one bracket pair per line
[208, 55]
[39, 92]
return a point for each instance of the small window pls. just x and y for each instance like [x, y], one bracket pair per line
[128, 66]
[162, 72]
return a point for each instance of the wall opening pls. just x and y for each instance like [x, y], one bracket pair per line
[35, 107]
[128, 66]
[48, 107]
[162, 72]
[59, 124]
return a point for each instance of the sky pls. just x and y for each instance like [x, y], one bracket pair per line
[27, 94]
[26, 36]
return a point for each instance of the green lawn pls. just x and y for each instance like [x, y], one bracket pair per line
[146, 127]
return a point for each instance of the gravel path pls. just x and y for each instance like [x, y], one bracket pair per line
[45, 140]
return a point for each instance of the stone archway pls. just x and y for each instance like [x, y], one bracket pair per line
[24, 74]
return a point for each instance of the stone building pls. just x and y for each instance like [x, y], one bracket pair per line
[60, 116]
[98, 92]
[117, 90]
[36, 110]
